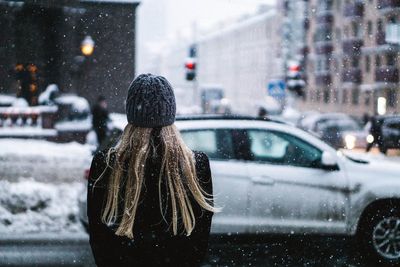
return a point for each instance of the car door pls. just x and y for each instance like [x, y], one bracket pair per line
[290, 193]
[231, 182]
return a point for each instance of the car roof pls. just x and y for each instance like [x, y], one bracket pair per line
[242, 123]
[198, 117]
[384, 117]
[223, 121]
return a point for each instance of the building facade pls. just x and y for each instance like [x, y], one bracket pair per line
[242, 58]
[351, 67]
[48, 35]
[294, 30]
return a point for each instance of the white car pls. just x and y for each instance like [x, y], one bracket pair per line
[273, 178]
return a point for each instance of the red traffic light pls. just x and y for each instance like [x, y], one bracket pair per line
[190, 65]
[294, 68]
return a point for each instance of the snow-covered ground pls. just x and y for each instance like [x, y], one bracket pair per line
[42, 160]
[28, 206]
[39, 185]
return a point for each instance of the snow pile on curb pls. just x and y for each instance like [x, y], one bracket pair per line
[43, 160]
[29, 206]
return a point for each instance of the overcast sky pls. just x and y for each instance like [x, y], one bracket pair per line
[161, 21]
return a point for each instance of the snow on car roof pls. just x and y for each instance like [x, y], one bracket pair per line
[80, 104]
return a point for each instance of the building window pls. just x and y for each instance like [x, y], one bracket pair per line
[322, 64]
[326, 95]
[335, 64]
[354, 62]
[344, 64]
[356, 29]
[367, 99]
[379, 26]
[390, 59]
[322, 35]
[377, 61]
[338, 5]
[367, 63]
[391, 98]
[369, 27]
[325, 5]
[319, 65]
[338, 35]
[346, 31]
[344, 96]
[317, 95]
[355, 94]
[336, 95]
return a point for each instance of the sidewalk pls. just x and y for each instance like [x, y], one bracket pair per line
[45, 250]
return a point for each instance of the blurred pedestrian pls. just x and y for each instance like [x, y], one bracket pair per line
[157, 193]
[100, 119]
[376, 132]
[263, 113]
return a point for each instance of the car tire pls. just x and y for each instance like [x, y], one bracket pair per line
[377, 232]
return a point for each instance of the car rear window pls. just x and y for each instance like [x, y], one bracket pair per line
[216, 143]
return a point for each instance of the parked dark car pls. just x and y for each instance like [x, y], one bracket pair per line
[390, 132]
[337, 129]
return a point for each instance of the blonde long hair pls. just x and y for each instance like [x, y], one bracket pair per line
[177, 171]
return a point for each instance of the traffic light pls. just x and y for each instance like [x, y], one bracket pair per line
[294, 79]
[190, 63]
[190, 68]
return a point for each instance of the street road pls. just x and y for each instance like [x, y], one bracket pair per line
[74, 250]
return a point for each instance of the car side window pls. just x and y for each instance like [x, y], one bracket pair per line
[393, 125]
[216, 143]
[282, 149]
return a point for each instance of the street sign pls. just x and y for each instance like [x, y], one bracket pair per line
[276, 89]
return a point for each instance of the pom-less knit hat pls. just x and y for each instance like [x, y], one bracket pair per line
[150, 102]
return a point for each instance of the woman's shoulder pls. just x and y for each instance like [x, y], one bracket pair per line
[100, 157]
[100, 162]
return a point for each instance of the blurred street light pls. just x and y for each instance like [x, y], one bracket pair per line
[87, 46]
[381, 106]
[79, 66]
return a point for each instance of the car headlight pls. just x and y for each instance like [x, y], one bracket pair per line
[350, 141]
[370, 138]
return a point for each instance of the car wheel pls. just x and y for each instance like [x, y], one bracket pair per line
[379, 237]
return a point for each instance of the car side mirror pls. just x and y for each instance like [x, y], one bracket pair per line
[329, 162]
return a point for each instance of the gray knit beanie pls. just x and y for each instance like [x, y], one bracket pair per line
[150, 102]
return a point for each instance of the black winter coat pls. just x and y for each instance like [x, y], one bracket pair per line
[154, 243]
